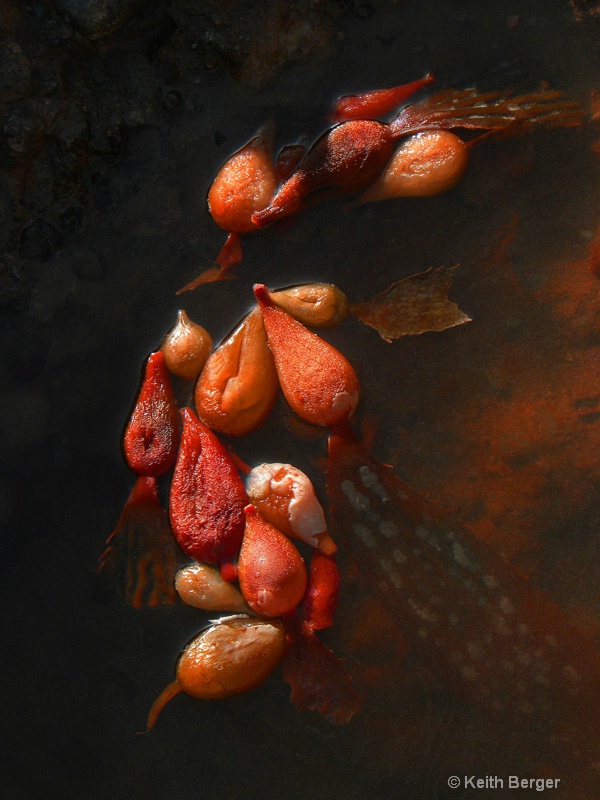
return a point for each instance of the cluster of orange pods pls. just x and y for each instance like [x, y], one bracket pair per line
[239, 533]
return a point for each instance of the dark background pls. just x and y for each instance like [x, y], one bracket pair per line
[114, 122]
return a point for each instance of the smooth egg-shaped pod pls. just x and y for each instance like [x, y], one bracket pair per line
[228, 658]
[425, 164]
[201, 586]
[318, 305]
[186, 347]
[317, 381]
[207, 498]
[152, 433]
[238, 386]
[245, 184]
[271, 571]
[286, 498]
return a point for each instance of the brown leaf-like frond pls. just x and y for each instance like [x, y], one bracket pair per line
[412, 306]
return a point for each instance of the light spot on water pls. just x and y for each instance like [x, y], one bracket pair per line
[388, 528]
[364, 534]
[490, 581]
[399, 556]
[453, 619]
[506, 606]
[462, 557]
[392, 574]
[424, 613]
[551, 641]
[422, 633]
[422, 532]
[358, 501]
[370, 480]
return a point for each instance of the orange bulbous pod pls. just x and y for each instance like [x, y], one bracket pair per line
[245, 183]
[271, 571]
[426, 164]
[317, 381]
[151, 436]
[228, 658]
[207, 499]
[238, 385]
[186, 347]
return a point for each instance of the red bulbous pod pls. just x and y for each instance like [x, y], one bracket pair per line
[317, 381]
[271, 571]
[320, 600]
[348, 157]
[372, 105]
[207, 499]
[152, 433]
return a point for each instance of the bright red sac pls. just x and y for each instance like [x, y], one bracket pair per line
[152, 433]
[141, 548]
[207, 499]
[492, 639]
[347, 158]
[319, 384]
[376, 104]
[320, 600]
[271, 571]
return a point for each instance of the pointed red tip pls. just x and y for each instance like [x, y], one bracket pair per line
[250, 510]
[262, 295]
[187, 415]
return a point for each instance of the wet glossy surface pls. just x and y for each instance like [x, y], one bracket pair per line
[497, 420]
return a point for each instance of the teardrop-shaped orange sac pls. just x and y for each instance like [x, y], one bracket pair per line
[317, 381]
[271, 571]
[245, 183]
[238, 385]
[207, 500]
[152, 433]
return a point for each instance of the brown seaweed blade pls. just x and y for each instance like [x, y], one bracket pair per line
[414, 305]
[487, 111]
[316, 677]
[141, 552]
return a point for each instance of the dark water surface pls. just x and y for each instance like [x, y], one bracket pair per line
[80, 670]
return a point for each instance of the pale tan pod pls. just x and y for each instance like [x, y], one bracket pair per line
[426, 164]
[186, 347]
[318, 305]
[245, 183]
[286, 498]
[201, 586]
[230, 657]
[238, 385]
